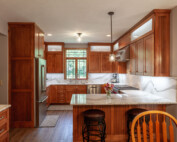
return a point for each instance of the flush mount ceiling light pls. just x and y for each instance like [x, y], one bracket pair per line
[79, 37]
[49, 34]
[108, 35]
[111, 56]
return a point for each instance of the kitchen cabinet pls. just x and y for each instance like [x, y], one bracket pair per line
[94, 62]
[54, 62]
[139, 57]
[142, 56]
[149, 44]
[70, 89]
[25, 44]
[4, 126]
[99, 62]
[133, 58]
[106, 65]
[39, 43]
[149, 55]
[61, 94]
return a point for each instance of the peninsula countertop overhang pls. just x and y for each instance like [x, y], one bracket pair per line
[130, 97]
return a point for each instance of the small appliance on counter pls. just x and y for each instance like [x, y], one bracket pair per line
[114, 78]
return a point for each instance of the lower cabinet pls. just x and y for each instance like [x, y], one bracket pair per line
[4, 126]
[61, 94]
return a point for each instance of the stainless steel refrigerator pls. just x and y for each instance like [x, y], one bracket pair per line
[40, 94]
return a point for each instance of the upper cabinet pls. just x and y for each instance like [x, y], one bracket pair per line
[99, 58]
[39, 43]
[149, 42]
[54, 56]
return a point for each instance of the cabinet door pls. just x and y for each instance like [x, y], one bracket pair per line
[94, 62]
[50, 63]
[61, 94]
[81, 89]
[41, 45]
[132, 58]
[53, 94]
[149, 55]
[106, 65]
[58, 63]
[70, 90]
[139, 57]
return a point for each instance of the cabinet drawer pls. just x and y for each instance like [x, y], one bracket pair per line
[3, 116]
[3, 129]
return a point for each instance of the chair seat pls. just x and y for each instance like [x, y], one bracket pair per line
[132, 113]
[94, 114]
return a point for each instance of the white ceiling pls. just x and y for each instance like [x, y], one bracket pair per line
[64, 18]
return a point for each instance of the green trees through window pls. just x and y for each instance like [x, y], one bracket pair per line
[76, 64]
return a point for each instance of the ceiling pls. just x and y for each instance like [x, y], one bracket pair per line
[64, 18]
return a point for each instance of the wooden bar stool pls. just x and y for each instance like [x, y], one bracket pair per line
[131, 114]
[94, 128]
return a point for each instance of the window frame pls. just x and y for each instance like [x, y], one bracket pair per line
[76, 58]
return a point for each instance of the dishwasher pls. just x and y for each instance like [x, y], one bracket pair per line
[93, 89]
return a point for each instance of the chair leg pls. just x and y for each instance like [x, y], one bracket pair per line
[128, 130]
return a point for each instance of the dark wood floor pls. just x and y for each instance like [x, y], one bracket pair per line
[63, 131]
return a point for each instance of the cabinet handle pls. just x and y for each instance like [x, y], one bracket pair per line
[1, 117]
[1, 131]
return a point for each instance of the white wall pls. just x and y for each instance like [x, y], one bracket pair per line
[76, 45]
[3, 27]
[3, 69]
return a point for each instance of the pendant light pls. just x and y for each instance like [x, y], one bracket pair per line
[111, 56]
[79, 37]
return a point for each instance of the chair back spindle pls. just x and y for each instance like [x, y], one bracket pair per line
[156, 128]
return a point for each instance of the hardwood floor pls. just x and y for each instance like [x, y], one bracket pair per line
[62, 132]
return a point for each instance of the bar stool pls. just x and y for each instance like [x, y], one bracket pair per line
[94, 128]
[131, 114]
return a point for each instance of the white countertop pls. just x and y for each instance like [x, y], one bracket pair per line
[3, 107]
[131, 97]
[56, 82]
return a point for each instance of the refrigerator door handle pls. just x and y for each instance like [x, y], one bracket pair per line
[43, 100]
[43, 79]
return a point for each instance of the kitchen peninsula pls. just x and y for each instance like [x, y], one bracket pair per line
[115, 110]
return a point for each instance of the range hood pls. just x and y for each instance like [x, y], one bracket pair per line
[123, 55]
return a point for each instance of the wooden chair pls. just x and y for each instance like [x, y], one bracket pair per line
[157, 123]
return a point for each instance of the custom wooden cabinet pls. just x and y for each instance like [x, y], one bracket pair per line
[54, 57]
[61, 94]
[4, 126]
[25, 43]
[133, 58]
[70, 89]
[99, 62]
[39, 43]
[153, 34]
[106, 65]
[142, 56]
[149, 55]
[94, 62]
[81, 89]
[54, 62]
[139, 57]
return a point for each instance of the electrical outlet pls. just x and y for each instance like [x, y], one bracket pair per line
[0, 82]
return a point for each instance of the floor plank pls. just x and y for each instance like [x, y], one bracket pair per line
[62, 132]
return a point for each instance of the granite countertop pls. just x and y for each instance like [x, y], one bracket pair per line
[3, 107]
[130, 97]
[56, 82]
